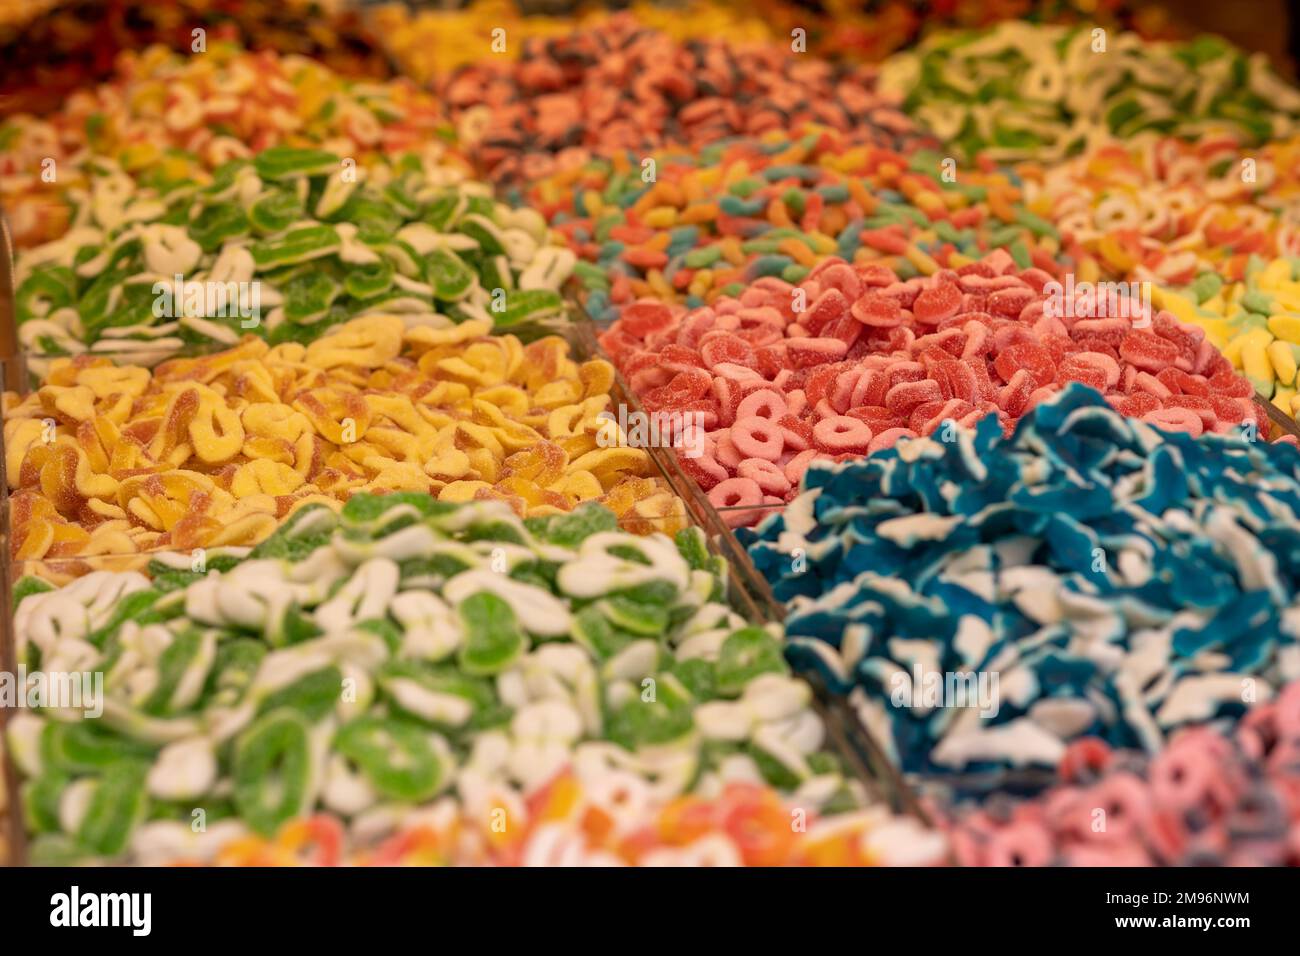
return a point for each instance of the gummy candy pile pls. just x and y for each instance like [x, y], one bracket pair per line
[1025, 91]
[619, 86]
[300, 235]
[53, 49]
[871, 359]
[430, 44]
[330, 453]
[1206, 799]
[777, 205]
[164, 116]
[115, 459]
[1117, 580]
[405, 654]
[1255, 322]
[570, 825]
[1164, 210]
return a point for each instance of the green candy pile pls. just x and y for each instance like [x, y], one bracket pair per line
[368, 662]
[1021, 91]
[284, 246]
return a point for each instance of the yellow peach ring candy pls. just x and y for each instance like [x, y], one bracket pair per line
[161, 501]
[609, 465]
[422, 338]
[396, 476]
[264, 477]
[169, 440]
[71, 403]
[470, 435]
[461, 491]
[597, 377]
[34, 539]
[568, 420]
[216, 432]
[581, 485]
[20, 436]
[476, 366]
[512, 436]
[109, 380]
[511, 399]
[99, 438]
[247, 530]
[273, 420]
[339, 417]
[368, 341]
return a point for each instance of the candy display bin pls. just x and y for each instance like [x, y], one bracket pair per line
[11, 836]
[1283, 424]
[11, 368]
[661, 513]
[877, 790]
[751, 596]
[35, 362]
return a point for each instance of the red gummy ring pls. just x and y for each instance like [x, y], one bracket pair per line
[737, 493]
[888, 438]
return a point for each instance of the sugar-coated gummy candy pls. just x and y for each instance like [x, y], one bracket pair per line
[1049, 92]
[1206, 799]
[297, 240]
[811, 194]
[928, 353]
[217, 450]
[1085, 575]
[617, 86]
[488, 657]
[166, 117]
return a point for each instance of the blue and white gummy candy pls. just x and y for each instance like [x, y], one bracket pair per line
[986, 600]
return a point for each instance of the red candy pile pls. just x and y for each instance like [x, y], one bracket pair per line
[1206, 799]
[619, 86]
[855, 358]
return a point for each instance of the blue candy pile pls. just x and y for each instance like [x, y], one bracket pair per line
[987, 599]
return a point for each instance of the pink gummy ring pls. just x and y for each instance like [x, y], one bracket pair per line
[756, 437]
[841, 433]
[766, 474]
[1176, 420]
[762, 403]
[736, 493]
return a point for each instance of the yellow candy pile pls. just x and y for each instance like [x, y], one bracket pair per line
[1255, 324]
[430, 44]
[106, 459]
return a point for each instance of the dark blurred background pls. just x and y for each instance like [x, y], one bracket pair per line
[50, 47]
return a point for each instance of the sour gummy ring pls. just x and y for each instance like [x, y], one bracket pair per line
[397, 654]
[285, 245]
